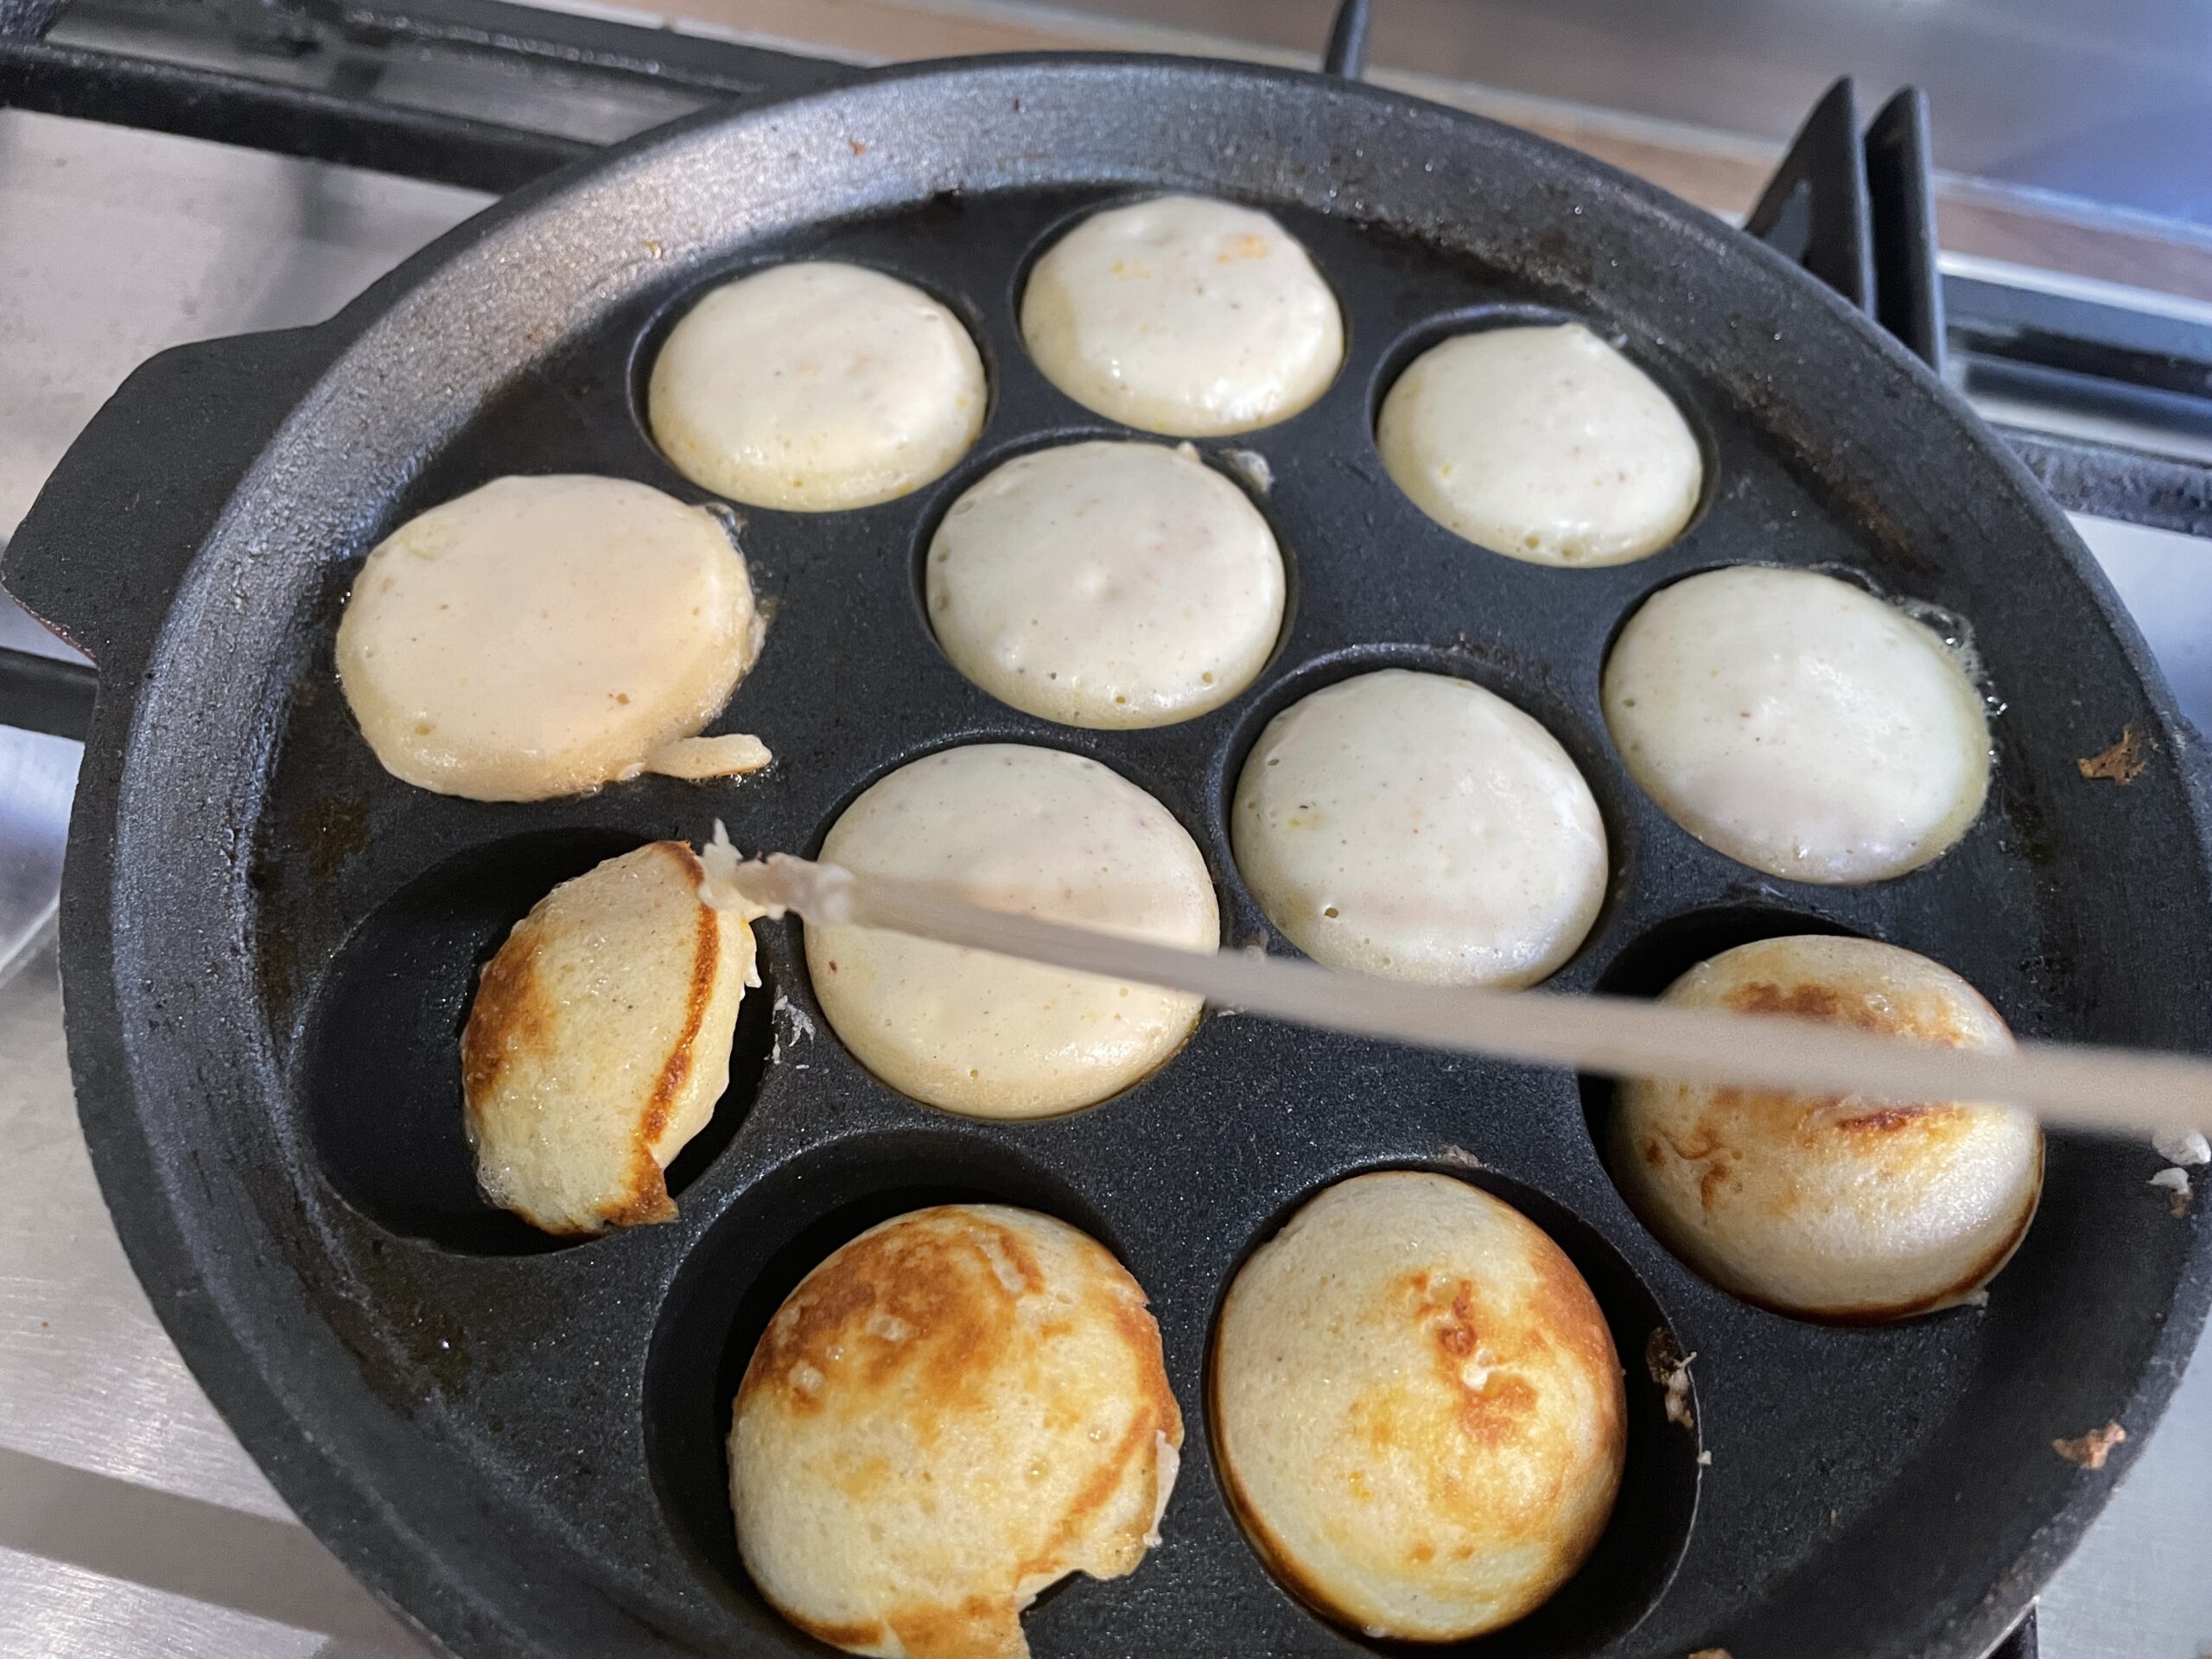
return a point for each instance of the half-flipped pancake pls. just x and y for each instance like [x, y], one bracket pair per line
[1544, 444]
[816, 386]
[599, 1041]
[1418, 1409]
[959, 1408]
[1107, 584]
[1020, 829]
[1415, 826]
[1183, 315]
[543, 636]
[1831, 1207]
[1798, 724]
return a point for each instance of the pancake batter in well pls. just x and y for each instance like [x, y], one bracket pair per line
[599, 1041]
[1418, 1407]
[1798, 724]
[1416, 826]
[1106, 584]
[543, 636]
[961, 1406]
[1183, 315]
[1832, 1208]
[817, 386]
[1013, 828]
[1545, 444]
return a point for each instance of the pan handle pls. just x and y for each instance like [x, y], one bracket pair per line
[100, 553]
[51, 695]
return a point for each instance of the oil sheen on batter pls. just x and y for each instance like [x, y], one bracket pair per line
[1013, 828]
[1798, 724]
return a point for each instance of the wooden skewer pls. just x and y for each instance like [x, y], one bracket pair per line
[2113, 1090]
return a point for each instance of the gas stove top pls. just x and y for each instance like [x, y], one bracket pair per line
[230, 168]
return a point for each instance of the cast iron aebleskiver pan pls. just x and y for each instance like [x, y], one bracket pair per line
[269, 944]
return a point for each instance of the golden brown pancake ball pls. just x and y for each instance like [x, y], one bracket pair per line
[1833, 1207]
[1419, 1413]
[961, 1406]
[1798, 724]
[599, 1041]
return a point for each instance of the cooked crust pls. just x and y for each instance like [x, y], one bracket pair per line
[1420, 1414]
[599, 1042]
[959, 1409]
[1833, 1207]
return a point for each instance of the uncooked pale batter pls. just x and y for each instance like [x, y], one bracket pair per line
[1107, 584]
[543, 636]
[1183, 315]
[1418, 827]
[956, 1409]
[817, 386]
[1020, 828]
[1418, 1407]
[1831, 1207]
[1798, 724]
[1545, 444]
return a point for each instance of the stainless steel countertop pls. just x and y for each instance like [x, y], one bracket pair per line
[130, 1522]
[2110, 103]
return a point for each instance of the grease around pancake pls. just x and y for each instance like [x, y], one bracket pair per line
[1798, 724]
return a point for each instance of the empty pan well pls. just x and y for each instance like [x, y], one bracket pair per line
[381, 1070]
